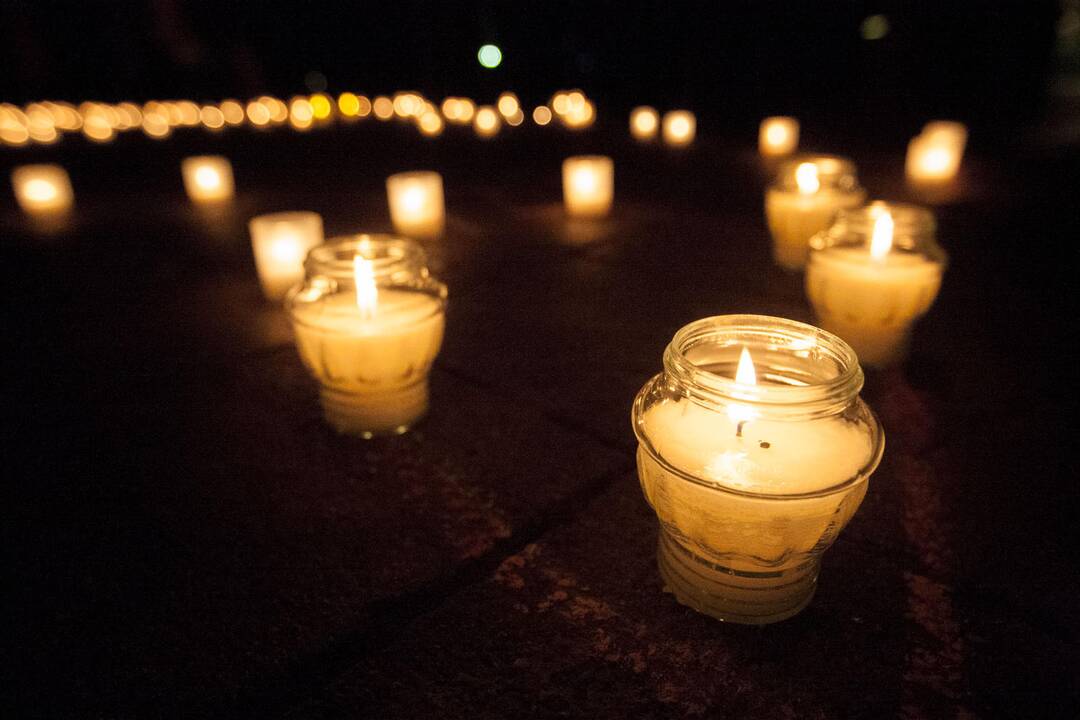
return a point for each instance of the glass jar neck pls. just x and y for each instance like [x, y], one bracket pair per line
[393, 260]
[829, 172]
[913, 229]
[802, 372]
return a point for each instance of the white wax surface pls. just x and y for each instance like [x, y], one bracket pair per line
[749, 532]
[772, 457]
[357, 354]
[794, 217]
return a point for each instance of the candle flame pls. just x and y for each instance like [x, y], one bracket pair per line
[882, 240]
[413, 199]
[366, 292]
[776, 133]
[584, 180]
[806, 177]
[744, 375]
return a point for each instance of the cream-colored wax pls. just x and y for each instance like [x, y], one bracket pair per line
[373, 368]
[417, 207]
[770, 458]
[794, 217]
[871, 302]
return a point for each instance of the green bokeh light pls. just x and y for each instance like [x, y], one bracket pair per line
[489, 56]
[874, 27]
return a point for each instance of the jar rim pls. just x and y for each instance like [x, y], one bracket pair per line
[388, 254]
[914, 229]
[787, 397]
[832, 170]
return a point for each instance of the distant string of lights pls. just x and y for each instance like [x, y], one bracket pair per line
[47, 122]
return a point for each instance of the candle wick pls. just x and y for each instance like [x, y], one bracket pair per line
[738, 428]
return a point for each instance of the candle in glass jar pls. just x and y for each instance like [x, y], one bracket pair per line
[280, 242]
[644, 123]
[872, 275]
[934, 155]
[752, 479]
[207, 178]
[417, 208]
[680, 127]
[368, 328]
[802, 201]
[588, 185]
[778, 136]
[42, 190]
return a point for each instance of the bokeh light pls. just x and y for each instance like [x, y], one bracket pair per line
[490, 56]
[541, 115]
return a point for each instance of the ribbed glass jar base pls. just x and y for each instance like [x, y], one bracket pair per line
[368, 415]
[738, 596]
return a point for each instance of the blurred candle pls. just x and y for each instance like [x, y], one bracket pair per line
[680, 127]
[280, 242]
[417, 208]
[207, 178]
[486, 121]
[588, 185]
[778, 136]
[934, 156]
[42, 190]
[803, 200]
[874, 272]
[644, 123]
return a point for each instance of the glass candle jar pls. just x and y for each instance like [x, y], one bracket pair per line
[280, 243]
[802, 201]
[778, 136]
[934, 155]
[368, 321]
[207, 178]
[872, 274]
[417, 207]
[679, 128]
[755, 451]
[42, 189]
[644, 123]
[588, 185]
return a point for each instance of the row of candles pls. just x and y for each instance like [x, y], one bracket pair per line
[754, 447]
[47, 121]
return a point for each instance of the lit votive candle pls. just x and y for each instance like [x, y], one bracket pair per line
[803, 200]
[369, 321]
[42, 190]
[778, 136]
[754, 451]
[416, 201]
[644, 123]
[207, 178]
[280, 242]
[680, 127]
[588, 185]
[934, 155]
[873, 274]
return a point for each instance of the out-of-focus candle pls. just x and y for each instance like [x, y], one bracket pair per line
[280, 242]
[486, 121]
[644, 123]
[778, 136]
[873, 274]
[803, 200]
[368, 322]
[207, 178]
[934, 156]
[588, 185]
[754, 450]
[417, 208]
[680, 127]
[42, 190]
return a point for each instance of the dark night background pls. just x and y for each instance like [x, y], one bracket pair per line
[185, 537]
